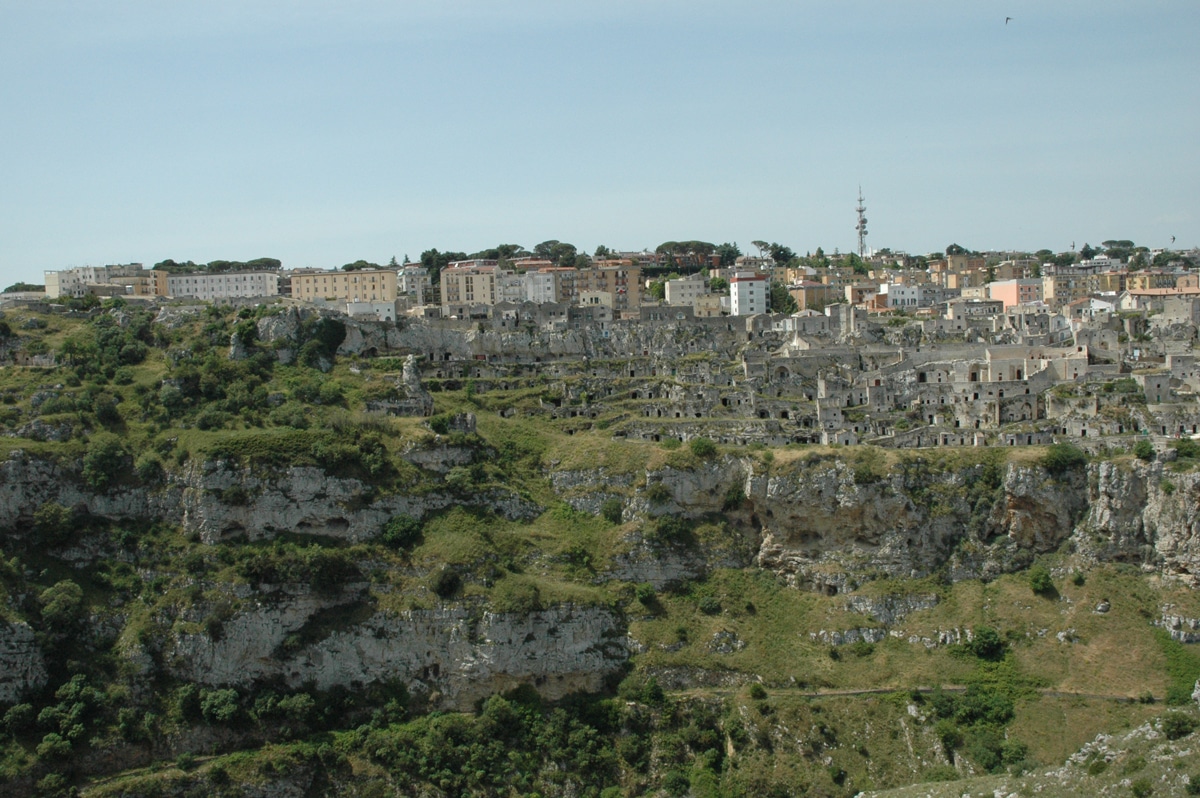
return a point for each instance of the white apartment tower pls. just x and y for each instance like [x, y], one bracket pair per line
[747, 293]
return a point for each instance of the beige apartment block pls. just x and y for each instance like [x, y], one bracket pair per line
[359, 286]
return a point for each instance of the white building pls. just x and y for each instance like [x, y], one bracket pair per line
[378, 310]
[747, 293]
[686, 290]
[75, 282]
[904, 296]
[414, 283]
[223, 285]
[541, 286]
[510, 287]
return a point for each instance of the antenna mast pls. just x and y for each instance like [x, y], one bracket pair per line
[862, 225]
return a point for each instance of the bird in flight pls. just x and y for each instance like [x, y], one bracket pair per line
[1006, 19]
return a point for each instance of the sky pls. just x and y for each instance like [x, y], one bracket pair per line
[320, 133]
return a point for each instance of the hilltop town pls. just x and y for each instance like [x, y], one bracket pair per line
[965, 349]
[642, 527]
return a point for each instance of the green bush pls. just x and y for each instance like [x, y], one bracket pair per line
[1176, 725]
[758, 692]
[1144, 450]
[986, 644]
[61, 604]
[19, 719]
[104, 460]
[1062, 458]
[645, 594]
[702, 447]
[1142, 788]
[401, 532]
[149, 468]
[1186, 448]
[1040, 581]
[219, 706]
[53, 746]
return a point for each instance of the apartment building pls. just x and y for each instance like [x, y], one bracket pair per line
[747, 293]
[623, 282]
[469, 283]
[222, 285]
[1015, 292]
[413, 282]
[686, 290]
[367, 285]
[79, 281]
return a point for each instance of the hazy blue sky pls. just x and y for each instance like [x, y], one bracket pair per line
[321, 132]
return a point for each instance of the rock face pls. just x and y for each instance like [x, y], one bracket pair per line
[821, 524]
[1143, 514]
[22, 667]
[826, 526]
[217, 500]
[453, 652]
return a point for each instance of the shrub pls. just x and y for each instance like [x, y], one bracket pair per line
[53, 746]
[459, 479]
[401, 532]
[1144, 450]
[1040, 581]
[1176, 725]
[657, 493]
[1062, 458]
[612, 510]
[758, 692]
[645, 594]
[104, 460]
[702, 447]
[1078, 579]
[219, 706]
[53, 523]
[1186, 448]
[149, 468]
[1142, 788]
[60, 604]
[986, 644]
[677, 783]
[669, 529]
[709, 605]
[19, 719]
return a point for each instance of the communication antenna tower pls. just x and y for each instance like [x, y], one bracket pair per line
[862, 225]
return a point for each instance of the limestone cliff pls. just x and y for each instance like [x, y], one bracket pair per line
[22, 666]
[454, 653]
[825, 524]
[216, 500]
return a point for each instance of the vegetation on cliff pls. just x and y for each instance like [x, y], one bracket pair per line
[817, 672]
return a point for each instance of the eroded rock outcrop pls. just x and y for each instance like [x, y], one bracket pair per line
[22, 666]
[456, 653]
